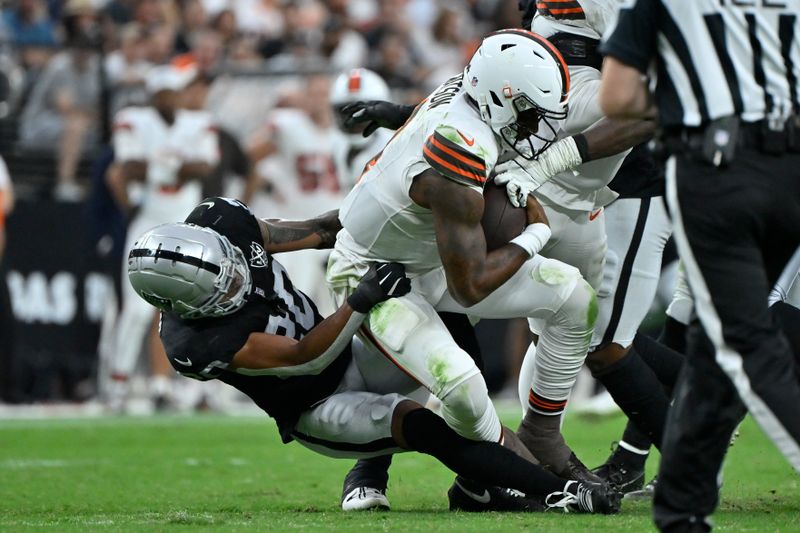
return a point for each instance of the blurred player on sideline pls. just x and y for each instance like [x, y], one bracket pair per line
[6, 313]
[353, 150]
[303, 138]
[161, 153]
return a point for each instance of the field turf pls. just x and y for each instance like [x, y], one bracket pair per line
[169, 473]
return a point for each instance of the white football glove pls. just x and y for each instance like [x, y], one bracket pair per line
[521, 176]
[518, 181]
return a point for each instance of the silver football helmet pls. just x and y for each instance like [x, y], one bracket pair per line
[189, 270]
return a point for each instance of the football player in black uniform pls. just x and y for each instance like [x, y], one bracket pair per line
[230, 312]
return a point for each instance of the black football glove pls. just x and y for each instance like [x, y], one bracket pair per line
[381, 282]
[378, 113]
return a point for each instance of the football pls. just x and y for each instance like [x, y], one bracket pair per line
[501, 220]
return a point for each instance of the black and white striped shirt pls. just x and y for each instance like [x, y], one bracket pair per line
[713, 58]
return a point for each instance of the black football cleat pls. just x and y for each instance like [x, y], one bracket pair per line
[585, 498]
[575, 470]
[625, 474]
[364, 486]
[472, 497]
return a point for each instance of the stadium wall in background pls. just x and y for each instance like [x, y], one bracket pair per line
[59, 289]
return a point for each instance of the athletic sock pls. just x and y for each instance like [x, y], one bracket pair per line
[665, 362]
[635, 440]
[638, 392]
[373, 472]
[541, 434]
[673, 335]
[484, 462]
[632, 457]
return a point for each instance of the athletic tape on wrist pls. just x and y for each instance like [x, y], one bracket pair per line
[533, 238]
[561, 156]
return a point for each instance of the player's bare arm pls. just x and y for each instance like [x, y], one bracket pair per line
[263, 351]
[291, 235]
[472, 274]
[191, 170]
[608, 137]
[261, 145]
[324, 342]
[623, 92]
[611, 136]
[133, 170]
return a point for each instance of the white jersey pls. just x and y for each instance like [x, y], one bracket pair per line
[5, 178]
[5, 194]
[351, 159]
[380, 221]
[585, 189]
[141, 134]
[308, 179]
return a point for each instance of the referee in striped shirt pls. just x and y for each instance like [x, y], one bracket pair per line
[726, 97]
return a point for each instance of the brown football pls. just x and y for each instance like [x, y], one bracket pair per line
[501, 221]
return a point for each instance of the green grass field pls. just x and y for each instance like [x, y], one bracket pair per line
[168, 473]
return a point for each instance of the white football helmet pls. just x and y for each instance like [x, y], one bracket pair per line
[189, 270]
[359, 84]
[518, 81]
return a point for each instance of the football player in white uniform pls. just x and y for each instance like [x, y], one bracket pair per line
[574, 203]
[365, 485]
[303, 140]
[419, 203]
[352, 150]
[633, 371]
[160, 151]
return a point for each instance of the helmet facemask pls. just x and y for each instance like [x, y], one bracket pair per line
[232, 285]
[530, 118]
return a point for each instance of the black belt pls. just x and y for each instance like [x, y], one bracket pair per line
[749, 135]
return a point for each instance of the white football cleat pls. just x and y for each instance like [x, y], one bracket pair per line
[365, 499]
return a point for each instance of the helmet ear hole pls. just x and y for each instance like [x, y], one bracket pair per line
[496, 99]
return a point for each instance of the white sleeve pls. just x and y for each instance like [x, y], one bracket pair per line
[5, 178]
[584, 107]
[127, 139]
[207, 148]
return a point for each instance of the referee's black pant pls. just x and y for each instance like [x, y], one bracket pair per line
[735, 228]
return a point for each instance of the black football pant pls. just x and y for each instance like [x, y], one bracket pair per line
[735, 228]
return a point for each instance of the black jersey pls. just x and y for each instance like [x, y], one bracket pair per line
[640, 175]
[203, 348]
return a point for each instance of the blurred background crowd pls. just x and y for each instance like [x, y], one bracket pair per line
[59, 99]
[118, 115]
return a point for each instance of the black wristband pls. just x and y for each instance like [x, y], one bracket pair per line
[583, 147]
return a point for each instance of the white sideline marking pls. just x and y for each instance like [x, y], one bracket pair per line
[19, 464]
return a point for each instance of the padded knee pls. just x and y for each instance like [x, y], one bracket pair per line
[469, 411]
[579, 311]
